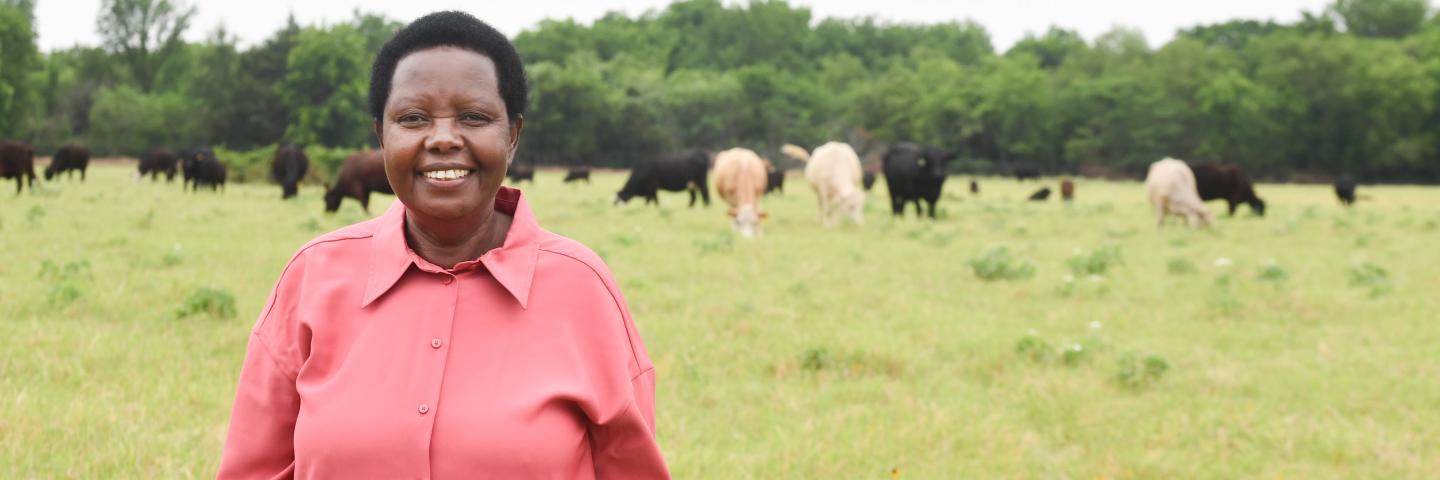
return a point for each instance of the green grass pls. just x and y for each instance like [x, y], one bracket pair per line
[850, 352]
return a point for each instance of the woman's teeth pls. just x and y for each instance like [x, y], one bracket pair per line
[447, 174]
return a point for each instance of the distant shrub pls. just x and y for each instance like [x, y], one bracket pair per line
[325, 163]
[720, 243]
[63, 294]
[247, 165]
[34, 214]
[1132, 371]
[815, 359]
[996, 264]
[172, 257]
[1368, 275]
[1097, 262]
[1272, 272]
[1180, 266]
[1033, 347]
[68, 271]
[216, 302]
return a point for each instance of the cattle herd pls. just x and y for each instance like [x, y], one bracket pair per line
[913, 173]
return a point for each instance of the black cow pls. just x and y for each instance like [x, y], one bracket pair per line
[974, 187]
[686, 170]
[576, 174]
[1024, 171]
[867, 179]
[913, 173]
[204, 169]
[1040, 195]
[518, 172]
[68, 158]
[1226, 181]
[157, 161]
[288, 168]
[1345, 191]
[775, 181]
[361, 174]
[17, 161]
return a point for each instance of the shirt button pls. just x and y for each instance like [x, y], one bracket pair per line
[449, 279]
[424, 409]
[434, 343]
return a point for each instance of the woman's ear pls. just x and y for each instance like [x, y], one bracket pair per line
[515, 127]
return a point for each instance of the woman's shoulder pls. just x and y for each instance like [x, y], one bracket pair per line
[348, 240]
[569, 254]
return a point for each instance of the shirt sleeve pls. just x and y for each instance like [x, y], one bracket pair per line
[261, 440]
[625, 446]
[260, 444]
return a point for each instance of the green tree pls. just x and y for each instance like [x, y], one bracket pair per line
[1051, 49]
[1381, 18]
[324, 88]
[144, 33]
[18, 57]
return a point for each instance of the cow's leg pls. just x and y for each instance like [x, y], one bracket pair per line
[1160, 216]
[919, 209]
[693, 195]
[932, 202]
[705, 193]
[19, 181]
[1233, 205]
[364, 198]
[897, 206]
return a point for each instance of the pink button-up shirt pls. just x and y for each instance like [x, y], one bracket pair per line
[370, 362]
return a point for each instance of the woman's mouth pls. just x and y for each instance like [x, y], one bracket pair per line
[446, 178]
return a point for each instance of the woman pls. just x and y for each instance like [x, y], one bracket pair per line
[451, 337]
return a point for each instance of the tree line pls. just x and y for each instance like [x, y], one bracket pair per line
[1353, 89]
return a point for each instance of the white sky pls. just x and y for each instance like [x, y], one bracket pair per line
[64, 23]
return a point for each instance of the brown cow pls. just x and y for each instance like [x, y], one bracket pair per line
[361, 174]
[17, 161]
[157, 161]
[1067, 190]
[68, 159]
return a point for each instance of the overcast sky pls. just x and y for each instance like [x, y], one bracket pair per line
[65, 23]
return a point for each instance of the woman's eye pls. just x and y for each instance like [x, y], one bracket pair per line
[472, 118]
[411, 119]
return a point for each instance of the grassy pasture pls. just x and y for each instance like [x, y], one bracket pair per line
[1300, 345]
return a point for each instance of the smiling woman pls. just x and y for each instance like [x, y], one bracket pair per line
[452, 337]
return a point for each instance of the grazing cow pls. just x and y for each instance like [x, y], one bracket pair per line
[686, 170]
[576, 174]
[1226, 181]
[519, 172]
[740, 181]
[1345, 190]
[157, 161]
[834, 172]
[1040, 195]
[913, 173]
[774, 178]
[361, 174]
[1067, 190]
[67, 159]
[1024, 171]
[974, 187]
[288, 168]
[204, 169]
[1170, 186]
[17, 161]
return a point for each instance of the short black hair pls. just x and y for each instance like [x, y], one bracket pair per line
[451, 29]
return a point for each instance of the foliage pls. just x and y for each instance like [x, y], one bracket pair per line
[996, 264]
[215, 302]
[1097, 262]
[1353, 89]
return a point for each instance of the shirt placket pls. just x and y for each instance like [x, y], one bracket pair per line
[437, 346]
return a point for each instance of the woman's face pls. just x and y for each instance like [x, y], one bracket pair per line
[445, 134]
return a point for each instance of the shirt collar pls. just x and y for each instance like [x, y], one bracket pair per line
[512, 264]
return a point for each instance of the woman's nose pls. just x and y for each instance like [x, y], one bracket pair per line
[442, 136]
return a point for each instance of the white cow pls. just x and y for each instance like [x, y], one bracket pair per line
[740, 179]
[1170, 186]
[834, 172]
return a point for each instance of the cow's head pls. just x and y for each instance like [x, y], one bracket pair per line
[933, 161]
[746, 220]
[332, 198]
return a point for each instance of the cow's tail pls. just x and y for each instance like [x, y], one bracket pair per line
[796, 152]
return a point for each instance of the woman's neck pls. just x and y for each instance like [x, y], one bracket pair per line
[447, 243]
